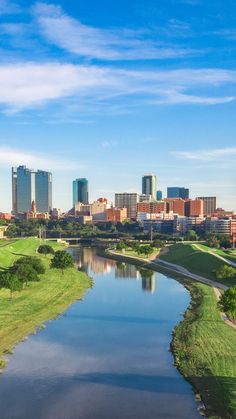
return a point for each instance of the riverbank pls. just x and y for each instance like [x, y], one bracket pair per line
[204, 350]
[191, 257]
[203, 345]
[39, 301]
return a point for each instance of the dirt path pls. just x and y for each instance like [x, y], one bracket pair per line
[223, 315]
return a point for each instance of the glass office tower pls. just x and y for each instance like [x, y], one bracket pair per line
[29, 186]
[149, 185]
[177, 192]
[43, 191]
[80, 191]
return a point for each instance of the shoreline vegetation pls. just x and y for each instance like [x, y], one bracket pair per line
[203, 344]
[38, 302]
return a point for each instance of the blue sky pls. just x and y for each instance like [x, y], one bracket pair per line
[113, 90]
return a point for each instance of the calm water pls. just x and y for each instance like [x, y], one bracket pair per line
[107, 357]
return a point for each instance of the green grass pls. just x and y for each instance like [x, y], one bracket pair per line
[196, 261]
[39, 301]
[132, 253]
[227, 254]
[205, 352]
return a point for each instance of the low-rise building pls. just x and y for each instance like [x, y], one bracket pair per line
[116, 215]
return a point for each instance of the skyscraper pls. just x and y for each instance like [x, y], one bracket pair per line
[177, 192]
[159, 195]
[80, 191]
[149, 185]
[29, 186]
[43, 191]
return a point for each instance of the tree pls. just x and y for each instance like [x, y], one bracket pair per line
[62, 260]
[24, 273]
[191, 235]
[32, 261]
[227, 302]
[11, 282]
[45, 249]
[225, 242]
[226, 272]
[146, 250]
[212, 241]
[121, 246]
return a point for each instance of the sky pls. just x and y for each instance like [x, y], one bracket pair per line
[112, 90]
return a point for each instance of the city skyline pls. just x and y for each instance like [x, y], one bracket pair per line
[111, 95]
[81, 188]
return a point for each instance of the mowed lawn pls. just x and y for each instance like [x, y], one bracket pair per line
[227, 254]
[205, 351]
[196, 261]
[39, 301]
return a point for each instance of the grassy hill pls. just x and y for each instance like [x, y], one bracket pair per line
[195, 260]
[39, 301]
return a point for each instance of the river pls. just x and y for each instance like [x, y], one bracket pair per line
[106, 357]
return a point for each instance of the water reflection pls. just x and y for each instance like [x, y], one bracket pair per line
[87, 260]
[107, 356]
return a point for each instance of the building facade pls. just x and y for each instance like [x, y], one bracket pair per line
[177, 192]
[128, 201]
[80, 191]
[43, 191]
[159, 196]
[149, 185]
[209, 205]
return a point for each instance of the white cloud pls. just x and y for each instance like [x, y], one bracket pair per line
[13, 157]
[207, 155]
[8, 7]
[86, 41]
[92, 88]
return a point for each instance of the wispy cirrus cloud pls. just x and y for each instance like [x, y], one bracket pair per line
[13, 157]
[207, 155]
[103, 44]
[30, 85]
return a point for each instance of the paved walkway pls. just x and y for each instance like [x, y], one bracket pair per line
[185, 272]
[227, 261]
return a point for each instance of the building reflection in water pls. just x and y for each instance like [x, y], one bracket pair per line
[147, 276]
[124, 271]
[88, 261]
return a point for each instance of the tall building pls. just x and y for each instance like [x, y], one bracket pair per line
[43, 191]
[177, 192]
[149, 185]
[29, 186]
[209, 205]
[159, 195]
[80, 191]
[129, 201]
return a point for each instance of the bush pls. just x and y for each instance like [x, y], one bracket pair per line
[45, 249]
[226, 272]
